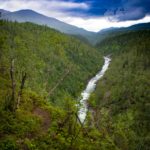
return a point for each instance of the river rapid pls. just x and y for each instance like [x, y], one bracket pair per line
[89, 89]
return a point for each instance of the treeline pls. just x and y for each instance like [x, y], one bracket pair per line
[121, 100]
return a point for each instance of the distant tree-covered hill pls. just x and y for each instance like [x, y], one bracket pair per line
[93, 38]
[35, 17]
[112, 32]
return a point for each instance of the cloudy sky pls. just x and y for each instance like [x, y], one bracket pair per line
[93, 15]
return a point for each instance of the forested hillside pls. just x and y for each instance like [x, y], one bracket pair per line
[121, 102]
[42, 73]
[112, 32]
[48, 58]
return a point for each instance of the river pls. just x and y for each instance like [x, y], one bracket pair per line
[89, 89]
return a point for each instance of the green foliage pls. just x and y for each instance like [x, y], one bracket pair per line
[123, 93]
[54, 63]
[60, 65]
[8, 143]
[46, 56]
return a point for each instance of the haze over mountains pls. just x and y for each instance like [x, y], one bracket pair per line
[35, 17]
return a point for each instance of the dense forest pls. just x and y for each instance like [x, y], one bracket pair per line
[49, 58]
[121, 101]
[42, 73]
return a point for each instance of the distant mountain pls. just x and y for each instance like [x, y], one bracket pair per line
[107, 29]
[141, 26]
[105, 33]
[34, 17]
[3, 12]
[80, 33]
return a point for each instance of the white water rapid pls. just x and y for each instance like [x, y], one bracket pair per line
[90, 88]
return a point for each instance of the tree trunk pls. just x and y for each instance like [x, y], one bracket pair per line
[13, 86]
[24, 76]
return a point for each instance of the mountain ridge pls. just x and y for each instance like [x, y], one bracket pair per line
[27, 15]
[110, 32]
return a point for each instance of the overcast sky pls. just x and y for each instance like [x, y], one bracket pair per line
[93, 15]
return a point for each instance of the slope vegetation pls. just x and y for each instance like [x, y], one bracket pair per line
[42, 73]
[50, 59]
[121, 102]
[112, 32]
[35, 17]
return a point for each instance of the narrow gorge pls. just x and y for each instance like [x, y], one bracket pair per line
[90, 88]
